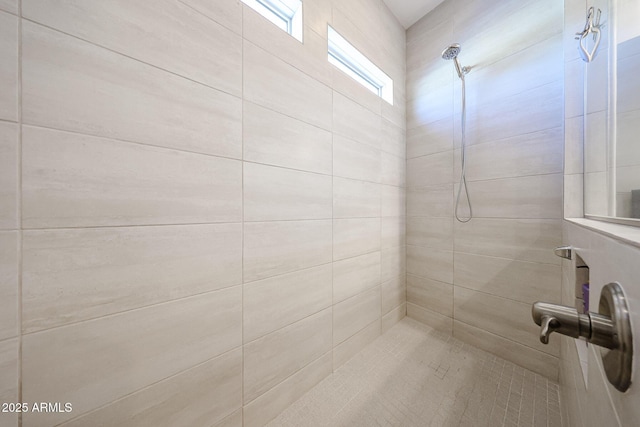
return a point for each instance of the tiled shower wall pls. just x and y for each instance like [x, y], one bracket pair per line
[201, 217]
[479, 279]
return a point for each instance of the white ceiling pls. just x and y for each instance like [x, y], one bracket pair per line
[409, 12]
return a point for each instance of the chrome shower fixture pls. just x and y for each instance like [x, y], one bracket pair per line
[452, 53]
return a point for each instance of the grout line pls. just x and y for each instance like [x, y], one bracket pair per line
[242, 134]
[137, 60]
[19, 214]
[153, 384]
[133, 309]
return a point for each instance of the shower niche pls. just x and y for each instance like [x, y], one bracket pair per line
[581, 285]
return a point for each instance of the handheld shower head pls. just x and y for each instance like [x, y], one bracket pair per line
[452, 53]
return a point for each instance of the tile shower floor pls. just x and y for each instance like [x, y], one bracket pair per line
[416, 376]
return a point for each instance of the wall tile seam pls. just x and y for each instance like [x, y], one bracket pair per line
[245, 403]
[36, 230]
[345, 14]
[226, 25]
[120, 313]
[8, 121]
[455, 147]
[529, 348]
[138, 60]
[16, 14]
[150, 385]
[511, 95]
[266, 334]
[330, 87]
[20, 212]
[509, 259]
[528, 303]
[127, 141]
[502, 178]
[431, 310]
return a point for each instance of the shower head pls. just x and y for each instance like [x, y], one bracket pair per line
[452, 53]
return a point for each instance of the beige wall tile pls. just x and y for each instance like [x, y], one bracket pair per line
[430, 294]
[393, 294]
[431, 138]
[272, 248]
[537, 196]
[539, 64]
[72, 275]
[393, 263]
[275, 139]
[8, 175]
[500, 316]
[316, 15]
[274, 303]
[136, 101]
[430, 232]
[131, 184]
[347, 86]
[266, 407]
[393, 170]
[436, 320]
[434, 169]
[393, 200]
[537, 361]
[309, 56]
[354, 314]
[393, 139]
[101, 360]
[393, 232]
[522, 281]
[10, 6]
[233, 420]
[352, 276]
[430, 263]
[274, 193]
[534, 153]
[393, 317]
[8, 66]
[201, 50]
[202, 395]
[573, 196]
[274, 357]
[526, 112]
[354, 160]
[600, 409]
[573, 145]
[227, 13]
[355, 199]
[430, 106]
[355, 122]
[352, 237]
[434, 201]
[522, 239]
[8, 284]
[274, 84]
[352, 346]
[9, 385]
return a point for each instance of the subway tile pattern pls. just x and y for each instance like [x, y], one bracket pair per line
[416, 376]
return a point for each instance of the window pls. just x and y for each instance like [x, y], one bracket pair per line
[348, 59]
[285, 14]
